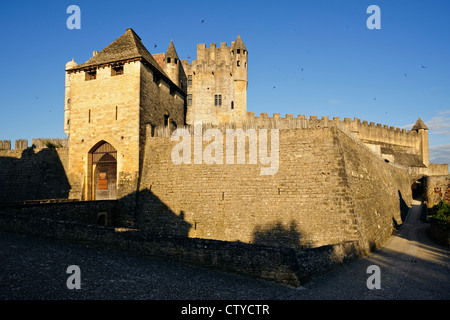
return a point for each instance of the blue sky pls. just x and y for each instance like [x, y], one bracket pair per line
[305, 57]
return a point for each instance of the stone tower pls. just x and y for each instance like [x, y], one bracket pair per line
[217, 83]
[113, 101]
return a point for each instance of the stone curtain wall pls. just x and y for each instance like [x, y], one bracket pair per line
[299, 206]
[33, 173]
[380, 192]
[315, 199]
[437, 189]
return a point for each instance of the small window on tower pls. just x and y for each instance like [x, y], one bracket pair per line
[189, 80]
[218, 100]
[176, 61]
[232, 105]
[189, 101]
[91, 75]
[117, 70]
[238, 51]
[238, 63]
[168, 60]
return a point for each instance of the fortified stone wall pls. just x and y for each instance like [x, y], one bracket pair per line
[32, 173]
[322, 194]
[437, 189]
[393, 144]
[380, 192]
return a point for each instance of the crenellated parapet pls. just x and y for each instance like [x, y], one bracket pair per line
[398, 145]
[38, 143]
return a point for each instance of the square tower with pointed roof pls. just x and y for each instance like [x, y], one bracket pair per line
[112, 101]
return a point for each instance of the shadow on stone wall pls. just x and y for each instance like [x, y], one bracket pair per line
[33, 176]
[155, 216]
[404, 209]
[278, 235]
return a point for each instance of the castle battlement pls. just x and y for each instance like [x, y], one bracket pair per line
[313, 119]
[38, 143]
[367, 132]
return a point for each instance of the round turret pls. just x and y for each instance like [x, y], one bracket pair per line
[71, 64]
[240, 59]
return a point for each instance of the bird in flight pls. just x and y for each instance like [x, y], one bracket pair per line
[203, 21]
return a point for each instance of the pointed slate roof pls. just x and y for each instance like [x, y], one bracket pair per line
[238, 44]
[171, 52]
[419, 125]
[127, 46]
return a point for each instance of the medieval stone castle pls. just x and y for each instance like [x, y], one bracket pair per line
[339, 180]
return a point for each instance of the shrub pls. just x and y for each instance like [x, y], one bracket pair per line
[442, 214]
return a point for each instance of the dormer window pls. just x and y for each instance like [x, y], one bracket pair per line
[117, 70]
[91, 75]
[168, 60]
[238, 51]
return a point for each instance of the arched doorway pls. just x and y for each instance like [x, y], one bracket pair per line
[104, 172]
[418, 189]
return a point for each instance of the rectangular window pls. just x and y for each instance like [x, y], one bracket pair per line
[91, 75]
[117, 70]
[189, 101]
[168, 60]
[218, 100]
[189, 80]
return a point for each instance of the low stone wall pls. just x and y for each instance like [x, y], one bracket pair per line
[285, 265]
[94, 212]
[440, 233]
